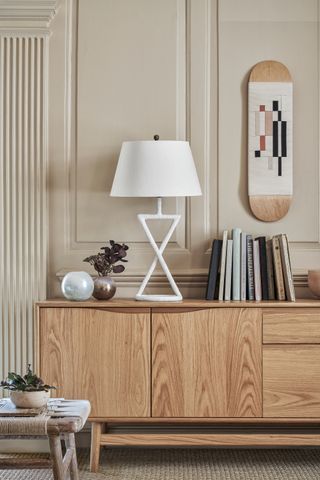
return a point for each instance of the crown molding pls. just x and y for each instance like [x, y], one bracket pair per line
[29, 15]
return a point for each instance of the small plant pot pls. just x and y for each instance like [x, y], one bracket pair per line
[29, 399]
[104, 288]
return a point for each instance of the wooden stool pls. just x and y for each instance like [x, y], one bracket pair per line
[61, 424]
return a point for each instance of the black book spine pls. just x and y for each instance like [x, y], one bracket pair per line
[250, 273]
[263, 267]
[213, 269]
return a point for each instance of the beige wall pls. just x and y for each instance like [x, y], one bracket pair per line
[122, 70]
[77, 80]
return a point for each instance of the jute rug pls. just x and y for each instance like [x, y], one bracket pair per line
[192, 464]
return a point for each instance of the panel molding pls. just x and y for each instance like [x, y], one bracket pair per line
[197, 277]
[198, 40]
[304, 254]
[194, 32]
[182, 206]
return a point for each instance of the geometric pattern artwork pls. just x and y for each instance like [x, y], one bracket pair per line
[270, 138]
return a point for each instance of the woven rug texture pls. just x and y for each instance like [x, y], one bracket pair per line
[190, 464]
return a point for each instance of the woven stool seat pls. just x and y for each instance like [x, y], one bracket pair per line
[59, 421]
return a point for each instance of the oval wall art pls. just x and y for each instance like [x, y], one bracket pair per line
[270, 140]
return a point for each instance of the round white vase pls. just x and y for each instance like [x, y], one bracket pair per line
[29, 399]
[77, 286]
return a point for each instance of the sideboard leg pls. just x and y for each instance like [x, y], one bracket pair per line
[95, 446]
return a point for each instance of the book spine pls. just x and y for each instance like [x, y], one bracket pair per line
[223, 265]
[263, 267]
[250, 271]
[257, 272]
[280, 291]
[291, 274]
[227, 290]
[271, 289]
[213, 270]
[236, 264]
[286, 268]
[243, 266]
[209, 271]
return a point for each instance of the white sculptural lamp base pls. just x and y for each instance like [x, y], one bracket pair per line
[159, 256]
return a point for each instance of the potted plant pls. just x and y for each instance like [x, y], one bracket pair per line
[104, 263]
[28, 391]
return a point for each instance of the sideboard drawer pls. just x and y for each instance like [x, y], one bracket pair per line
[291, 326]
[291, 381]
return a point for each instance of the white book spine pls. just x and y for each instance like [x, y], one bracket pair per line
[236, 232]
[257, 274]
[223, 264]
[243, 266]
[227, 290]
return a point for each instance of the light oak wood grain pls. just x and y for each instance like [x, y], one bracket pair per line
[98, 355]
[270, 71]
[186, 303]
[209, 420]
[291, 381]
[293, 326]
[206, 363]
[219, 439]
[206, 367]
[96, 428]
[270, 208]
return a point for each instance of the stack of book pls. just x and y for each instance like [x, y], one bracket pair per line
[247, 268]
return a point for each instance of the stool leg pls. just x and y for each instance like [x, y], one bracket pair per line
[71, 444]
[95, 446]
[56, 457]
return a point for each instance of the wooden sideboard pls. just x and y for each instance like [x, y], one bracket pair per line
[207, 373]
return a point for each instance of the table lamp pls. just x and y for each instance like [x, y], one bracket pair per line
[156, 168]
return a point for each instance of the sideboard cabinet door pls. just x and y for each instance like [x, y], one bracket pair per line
[206, 363]
[100, 355]
[291, 381]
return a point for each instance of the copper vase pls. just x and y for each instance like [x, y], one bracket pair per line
[104, 288]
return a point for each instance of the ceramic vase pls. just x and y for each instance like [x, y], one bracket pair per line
[29, 399]
[77, 286]
[104, 288]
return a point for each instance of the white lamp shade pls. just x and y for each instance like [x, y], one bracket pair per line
[155, 168]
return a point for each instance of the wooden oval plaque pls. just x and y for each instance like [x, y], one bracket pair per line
[270, 140]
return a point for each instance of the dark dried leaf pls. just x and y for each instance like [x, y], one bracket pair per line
[118, 268]
[104, 261]
[122, 253]
[116, 248]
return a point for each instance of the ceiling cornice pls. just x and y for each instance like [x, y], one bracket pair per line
[26, 14]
